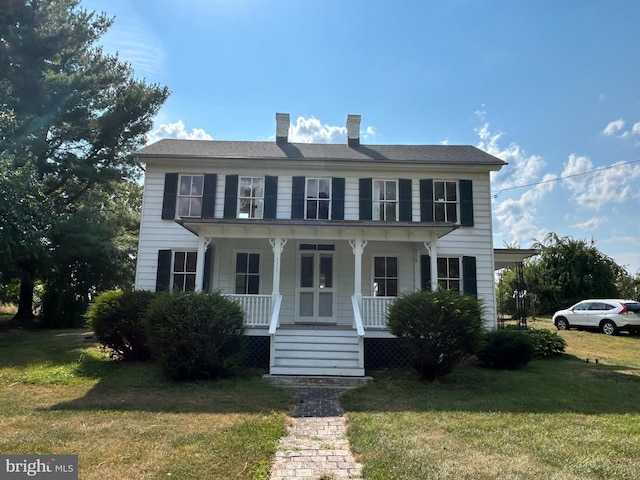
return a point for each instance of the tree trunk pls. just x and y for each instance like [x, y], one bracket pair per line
[25, 303]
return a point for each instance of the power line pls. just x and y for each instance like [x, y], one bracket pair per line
[562, 178]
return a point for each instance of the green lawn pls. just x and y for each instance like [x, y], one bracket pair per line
[558, 419]
[555, 419]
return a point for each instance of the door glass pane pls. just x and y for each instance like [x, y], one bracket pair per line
[306, 271]
[325, 304]
[306, 304]
[378, 266]
[326, 271]
[254, 263]
[392, 267]
[392, 287]
[253, 284]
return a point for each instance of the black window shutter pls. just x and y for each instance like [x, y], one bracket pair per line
[209, 195]
[270, 197]
[426, 200]
[206, 280]
[163, 274]
[425, 272]
[297, 198]
[404, 197]
[170, 196]
[230, 196]
[337, 198]
[466, 203]
[366, 192]
[469, 280]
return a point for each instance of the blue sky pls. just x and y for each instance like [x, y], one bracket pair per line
[552, 87]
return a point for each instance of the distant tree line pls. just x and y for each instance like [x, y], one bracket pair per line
[564, 272]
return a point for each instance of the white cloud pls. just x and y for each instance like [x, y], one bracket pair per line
[591, 224]
[311, 130]
[575, 169]
[177, 130]
[615, 184]
[636, 128]
[614, 127]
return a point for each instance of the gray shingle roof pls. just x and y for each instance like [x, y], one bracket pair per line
[449, 154]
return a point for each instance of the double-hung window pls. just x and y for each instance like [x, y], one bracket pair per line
[247, 273]
[183, 272]
[251, 197]
[190, 191]
[385, 276]
[449, 273]
[318, 199]
[385, 200]
[445, 201]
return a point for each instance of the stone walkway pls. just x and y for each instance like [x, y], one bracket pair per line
[316, 447]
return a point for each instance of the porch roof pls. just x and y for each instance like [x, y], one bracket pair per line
[507, 257]
[317, 230]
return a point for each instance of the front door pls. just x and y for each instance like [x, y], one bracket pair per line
[316, 284]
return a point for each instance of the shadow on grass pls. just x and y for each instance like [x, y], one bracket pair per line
[560, 385]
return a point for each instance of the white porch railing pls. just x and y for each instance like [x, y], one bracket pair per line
[374, 311]
[257, 309]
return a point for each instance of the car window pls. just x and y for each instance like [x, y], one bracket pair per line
[601, 306]
[633, 306]
[581, 307]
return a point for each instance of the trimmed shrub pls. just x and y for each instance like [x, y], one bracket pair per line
[116, 317]
[440, 329]
[546, 343]
[506, 349]
[196, 335]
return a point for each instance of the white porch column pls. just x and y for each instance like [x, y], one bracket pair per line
[203, 244]
[430, 245]
[277, 245]
[358, 249]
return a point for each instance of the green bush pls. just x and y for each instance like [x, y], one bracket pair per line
[508, 349]
[195, 335]
[440, 329]
[116, 317]
[546, 343]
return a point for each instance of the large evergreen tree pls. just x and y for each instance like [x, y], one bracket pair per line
[70, 117]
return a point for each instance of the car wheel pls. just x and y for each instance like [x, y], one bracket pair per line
[562, 324]
[609, 328]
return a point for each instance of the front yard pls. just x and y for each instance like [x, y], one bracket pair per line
[557, 419]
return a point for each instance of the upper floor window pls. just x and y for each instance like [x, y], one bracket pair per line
[318, 198]
[385, 276]
[385, 200]
[449, 273]
[190, 195]
[251, 197]
[445, 201]
[247, 273]
[183, 272]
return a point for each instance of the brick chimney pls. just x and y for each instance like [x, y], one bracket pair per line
[353, 130]
[282, 127]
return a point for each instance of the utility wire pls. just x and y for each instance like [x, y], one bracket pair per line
[562, 178]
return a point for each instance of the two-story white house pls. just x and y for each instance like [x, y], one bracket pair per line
[316, 240]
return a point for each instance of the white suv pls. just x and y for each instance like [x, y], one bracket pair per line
[610, 316]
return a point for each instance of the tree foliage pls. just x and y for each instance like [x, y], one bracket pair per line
[71, 115]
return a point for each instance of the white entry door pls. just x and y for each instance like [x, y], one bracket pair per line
[316, 283]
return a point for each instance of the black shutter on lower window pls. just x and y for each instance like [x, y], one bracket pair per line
[404, 196]
[425, 272]
[206, 279]
[366, 192]
[170, 196]
[230, 196]
[337, 198]
[270, 197]
[469, 280]
[297, 198]
[163, 273]
[209, 195]
[426, 200]
[466, 203]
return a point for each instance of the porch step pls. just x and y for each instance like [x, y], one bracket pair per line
[324, 352]
[316, 381]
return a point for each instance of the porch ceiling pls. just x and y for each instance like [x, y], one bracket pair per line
[507, 257]
[317, 230]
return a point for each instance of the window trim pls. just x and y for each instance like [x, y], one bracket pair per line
[373, 273]
[317, 198]
[186, 272]
[380, 203]
[449, 279]
[234, 267]
[253, 198]
[190, 197]
[445, 202]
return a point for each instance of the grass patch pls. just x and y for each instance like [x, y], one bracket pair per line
[60, 393]
[557, 418]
